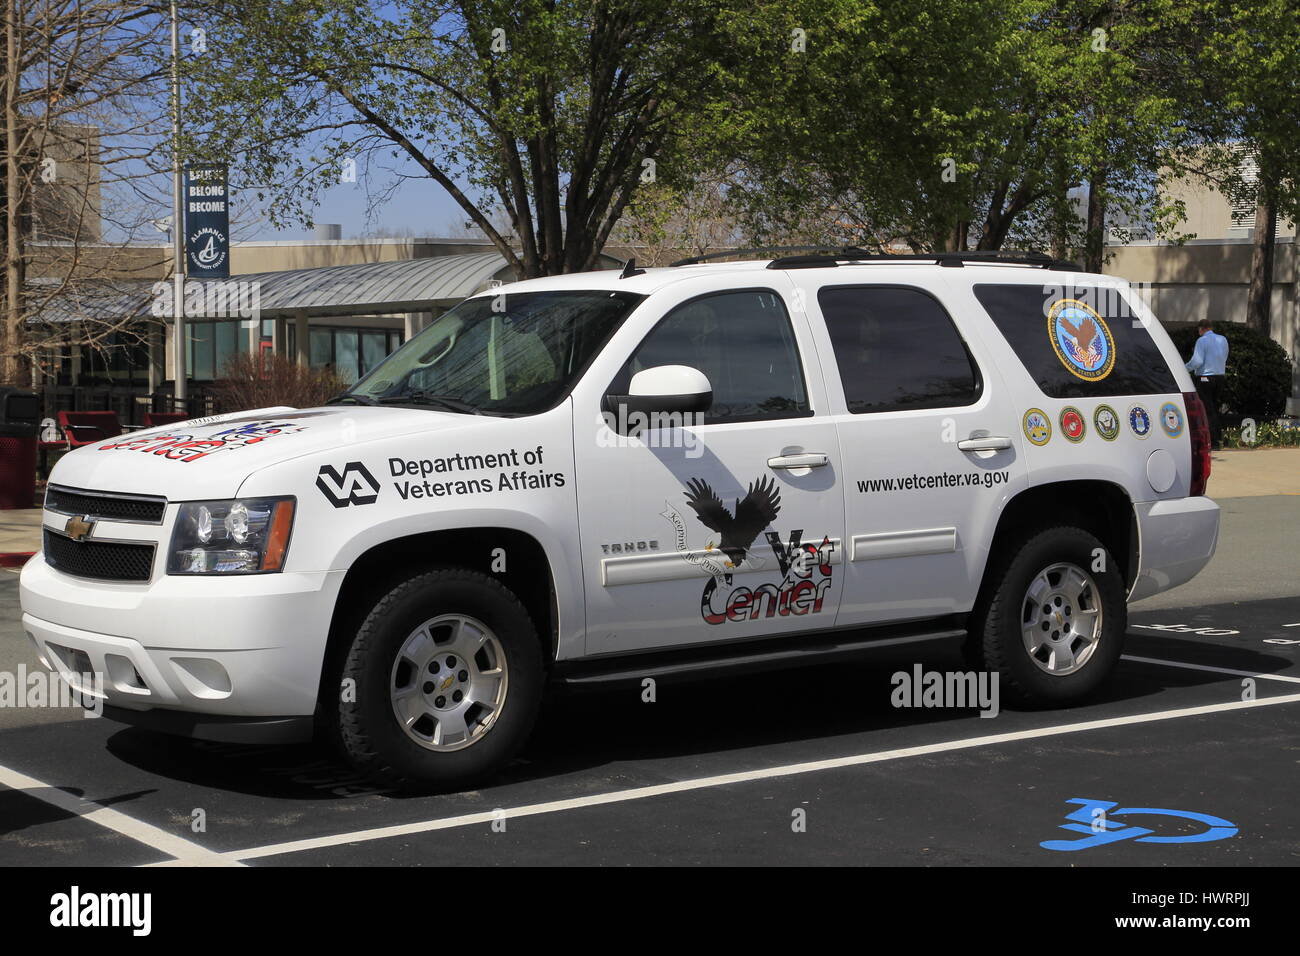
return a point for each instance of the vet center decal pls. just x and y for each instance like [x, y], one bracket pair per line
[186, 447]
[804, 567]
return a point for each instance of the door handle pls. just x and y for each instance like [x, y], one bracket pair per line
[986, 443]
[812, 459]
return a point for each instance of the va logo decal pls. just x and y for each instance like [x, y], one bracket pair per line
[1107, 422]
[354, 486]
[1072, 424]
[1171, 419]
[1081, 339]
[1037, 426]
[1139, 420]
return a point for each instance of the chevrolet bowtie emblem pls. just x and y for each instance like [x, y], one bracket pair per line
[78, 528]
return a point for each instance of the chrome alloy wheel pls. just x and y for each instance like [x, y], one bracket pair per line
[449, 682]
[1061, 619]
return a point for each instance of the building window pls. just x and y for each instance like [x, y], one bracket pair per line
[211, 345]
[352, 352]
[120, 358]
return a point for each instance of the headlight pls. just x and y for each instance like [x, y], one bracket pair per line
[248, 536]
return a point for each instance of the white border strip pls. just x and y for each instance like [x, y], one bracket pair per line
[1204, 667]
[747, 776]
[184, 851]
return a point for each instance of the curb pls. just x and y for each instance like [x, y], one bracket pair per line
[14, 559]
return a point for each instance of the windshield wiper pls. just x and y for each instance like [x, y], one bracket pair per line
[350, 397]
[449, 402]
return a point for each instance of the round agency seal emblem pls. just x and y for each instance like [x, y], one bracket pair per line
[1139, 421]
[1081, 339]
[1037, 426]
[1072, 424]
[1171, 419]
[1106, 421]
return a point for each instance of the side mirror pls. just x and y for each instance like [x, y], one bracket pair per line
[665, 388]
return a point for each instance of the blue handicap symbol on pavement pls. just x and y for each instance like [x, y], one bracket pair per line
[1093, 819]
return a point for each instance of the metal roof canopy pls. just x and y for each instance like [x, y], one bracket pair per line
[407, 285]
[368, 288]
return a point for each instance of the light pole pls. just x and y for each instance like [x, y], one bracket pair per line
[178, 222]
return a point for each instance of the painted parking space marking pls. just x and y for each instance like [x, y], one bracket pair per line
[1094, 819]
[722, 780]
[184, 851]
[1204, 667]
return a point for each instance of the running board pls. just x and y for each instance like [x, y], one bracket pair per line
[727, 660]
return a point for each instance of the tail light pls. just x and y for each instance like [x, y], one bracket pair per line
[1198, 428]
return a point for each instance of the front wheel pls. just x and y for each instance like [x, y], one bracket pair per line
[446, 675]
[1053, 623]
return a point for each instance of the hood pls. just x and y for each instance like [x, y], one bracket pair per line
[211, 457]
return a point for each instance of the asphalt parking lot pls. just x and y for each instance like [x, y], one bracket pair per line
[1191, 753]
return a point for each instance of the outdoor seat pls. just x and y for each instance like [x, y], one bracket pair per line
[86, 428]
[153, 419]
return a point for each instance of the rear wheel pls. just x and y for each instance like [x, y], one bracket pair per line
[447, 676]
[1053, 620]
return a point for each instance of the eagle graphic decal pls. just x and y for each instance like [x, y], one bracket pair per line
[1083, 347]
[1081, 339]
[753, 513]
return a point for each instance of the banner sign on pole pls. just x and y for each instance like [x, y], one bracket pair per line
[207, 221]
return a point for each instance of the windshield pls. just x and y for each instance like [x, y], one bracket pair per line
[502, 354]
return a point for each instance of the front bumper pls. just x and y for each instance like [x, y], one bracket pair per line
[242, 649]
[1176, 539]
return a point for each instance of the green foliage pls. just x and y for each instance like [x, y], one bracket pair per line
[948, 123]
[1283, 433]
[928, 123]
[551, 110]
[1259, 372]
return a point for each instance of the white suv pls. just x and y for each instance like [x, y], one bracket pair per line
[610, 476]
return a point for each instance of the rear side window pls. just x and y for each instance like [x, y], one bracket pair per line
[1078, 342]
[897, 348]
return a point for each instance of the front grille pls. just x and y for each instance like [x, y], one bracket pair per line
[109, 506]
[101, 560]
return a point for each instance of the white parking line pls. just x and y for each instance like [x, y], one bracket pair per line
[1217, 670]
[722, 780]
[185, 852]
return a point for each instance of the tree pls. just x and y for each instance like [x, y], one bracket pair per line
[553, 110]
[966, 123]
[663, 223]
[81, 145]
[1249, 77]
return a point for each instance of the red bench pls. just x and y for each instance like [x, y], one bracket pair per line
[86, 428]
[152, 419]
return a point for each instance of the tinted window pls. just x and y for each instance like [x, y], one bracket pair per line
[743, 342]
[1078, 342]
[897, 348]
[515, 353]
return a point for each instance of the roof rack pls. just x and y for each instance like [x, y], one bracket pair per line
[827, 249]
[954, 260]
[820, 257]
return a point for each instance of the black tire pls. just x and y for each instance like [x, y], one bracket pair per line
[368, 730]
[996, 643]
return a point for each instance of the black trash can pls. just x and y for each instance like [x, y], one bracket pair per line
[20, 414]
